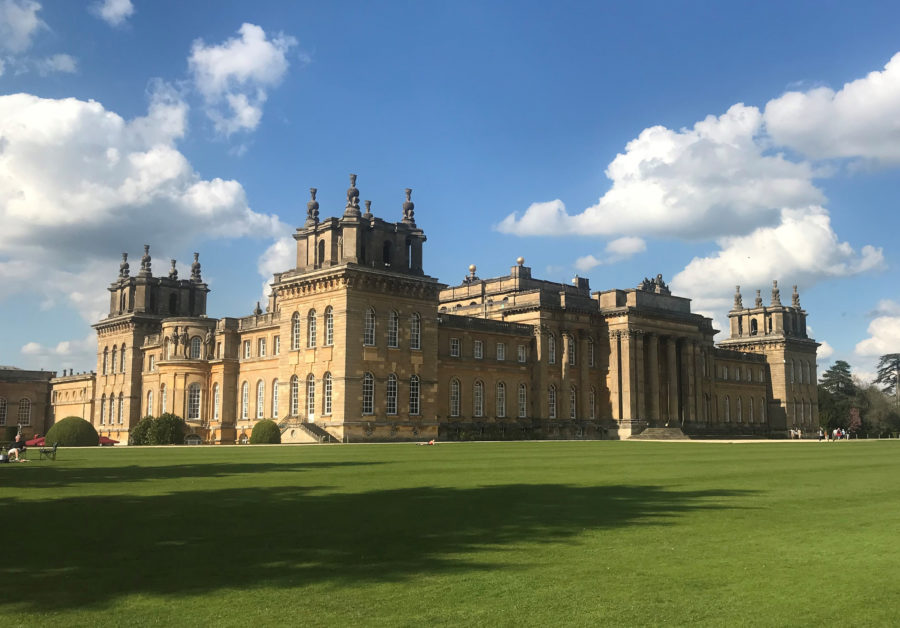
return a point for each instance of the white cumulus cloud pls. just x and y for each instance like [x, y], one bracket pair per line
[884, 337]
[113, 12]
[57, 63]
[233, 76]
[616, 251]
[19, 22]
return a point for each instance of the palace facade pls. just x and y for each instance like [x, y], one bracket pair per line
[357, 343]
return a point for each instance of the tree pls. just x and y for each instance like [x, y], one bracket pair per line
[72, 431]
[889, 374]
[879, 415]
[838, 380]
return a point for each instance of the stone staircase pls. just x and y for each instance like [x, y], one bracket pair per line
[312, 433]
[660, 433]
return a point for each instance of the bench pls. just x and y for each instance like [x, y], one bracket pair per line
[50, 452]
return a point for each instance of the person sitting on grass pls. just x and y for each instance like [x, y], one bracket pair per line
[16, 449]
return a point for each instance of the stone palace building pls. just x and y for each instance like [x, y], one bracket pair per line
[358, 343]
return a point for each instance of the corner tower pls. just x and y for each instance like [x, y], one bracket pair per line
[779, 333]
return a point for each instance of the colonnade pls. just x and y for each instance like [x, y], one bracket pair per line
[655, 377]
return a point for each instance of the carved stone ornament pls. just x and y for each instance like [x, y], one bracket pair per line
[123, 267]
[312, 209]
[409, 214]
[173, 272]
[738, 299]
[195, 269]
[352, 198]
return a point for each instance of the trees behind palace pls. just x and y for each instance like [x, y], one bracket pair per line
[861, 408]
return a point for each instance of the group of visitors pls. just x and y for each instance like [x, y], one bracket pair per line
[838, 433]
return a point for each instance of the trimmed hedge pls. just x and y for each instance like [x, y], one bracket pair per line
[266, 432]
[167, 429]
[72, 431]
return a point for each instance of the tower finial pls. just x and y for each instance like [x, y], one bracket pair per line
[776, 293]
[195, 269]
[173, 272]
[795, 298]
[312, 209]
[123, 267]
[759, 298]
[738, 299]
[145, 262]
[409, 214]
[368, 215]
[352, 199]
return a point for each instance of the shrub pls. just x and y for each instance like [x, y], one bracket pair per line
[140, 433]
[265, 432]
[168, 429]
[72, 431]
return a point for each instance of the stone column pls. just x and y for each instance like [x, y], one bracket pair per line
[653, 374]
[698, 380]
[672, 414]
[614, 393]
[690, 383]
[639, 382]
[626, 368]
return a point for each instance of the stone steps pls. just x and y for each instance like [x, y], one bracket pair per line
[661, 433]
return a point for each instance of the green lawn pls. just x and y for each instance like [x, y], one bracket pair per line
[571, 533]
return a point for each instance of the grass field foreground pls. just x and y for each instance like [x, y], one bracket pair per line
[560, 533]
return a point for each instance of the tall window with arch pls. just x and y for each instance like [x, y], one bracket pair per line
[311, 328]
[551, 349]
[369, 328]
[217, 402]
[149, 410]
[260, 399]
[551, 402]
[245, 401]
[105, 362]
[391, 395]
[295, 396]
[454, 397]
[368, 396]
[727, 408]
[275, 399]
[112, 365]
[415, 331]
[500, 399]
[24, 416]
[573, 403]
[195, 347]
[590, 344]
[295, 331]
[523, 401]
[750, 415]
[740, 410]
[570, 340]
[122, 359]
[121, 408]
[414, 406]
[326, 394]
[329, 326]
[592, 404]
[112, 409]
[393, 329]
[102, 408]
[310, 397]
[163, 401]
[478, 399]
[193, 409]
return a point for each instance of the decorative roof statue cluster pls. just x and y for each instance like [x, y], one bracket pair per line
[656, 285]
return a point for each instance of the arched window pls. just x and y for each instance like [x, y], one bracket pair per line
[310, 396]
[163, 406]
[592, 404]
[149, 411]
[105, 360]
[478, 399]
[120, 411]
[122, 359]
[217, 402]
[260, 399]
[808, 379]
[740, 410]
[295, 396]
[275, 399]
[368, 390]
[311, 329]
[750, 416]
[369, 328]
[454, 397]
[551, 402]
[523, 401]
[762, 409]
[113, 363]
[501, 400]
[754, 327]
[571, 342]
[103, 409]
[195, 347]
[193, 409]
[326, 394]
[393, 329]
[295, 331]
[727, 408]
[3, 410]
[245, 401]
[112, 409]
[792, 371]
[24, 417]
[391, 394]
[573, 403]
[329, 326]
[414, 395]
[415, 331]
[551, 349]
[321, 252]
[590, 352]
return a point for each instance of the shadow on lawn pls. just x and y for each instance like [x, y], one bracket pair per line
[86, 552]
[55, 477]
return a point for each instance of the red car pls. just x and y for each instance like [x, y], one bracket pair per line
[37, 441]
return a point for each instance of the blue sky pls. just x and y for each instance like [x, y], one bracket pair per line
[715, 143]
